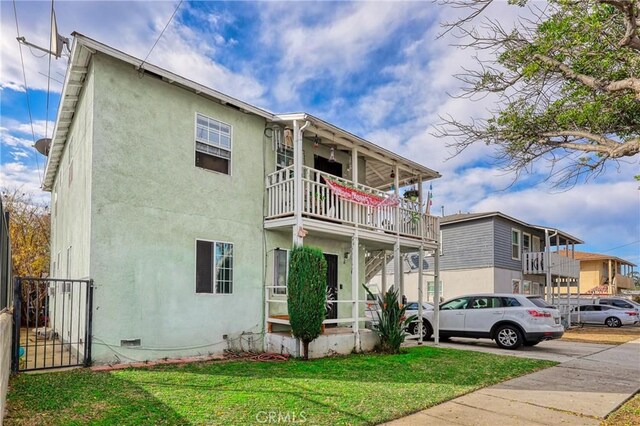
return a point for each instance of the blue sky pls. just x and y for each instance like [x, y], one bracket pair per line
[375, 69]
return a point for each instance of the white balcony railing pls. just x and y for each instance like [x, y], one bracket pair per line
[319, 201]
[540, 262]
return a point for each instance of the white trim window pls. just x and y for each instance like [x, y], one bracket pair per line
[526, 242]
[280, 270]
[516, 244]
[213, 144]
[515, 286]
[214, 267]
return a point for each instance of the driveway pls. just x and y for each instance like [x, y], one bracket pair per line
[592, 381]
[552, 350]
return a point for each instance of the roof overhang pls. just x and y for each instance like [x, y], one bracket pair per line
[380, 161]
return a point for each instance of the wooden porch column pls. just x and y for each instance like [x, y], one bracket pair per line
[354, 178]
[420, 296]
[384, 271]
[355, 288]
[436, 294]
[396, 246]
[610, 279]
[420, 201]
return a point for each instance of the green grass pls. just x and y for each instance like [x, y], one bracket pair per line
[358, 389]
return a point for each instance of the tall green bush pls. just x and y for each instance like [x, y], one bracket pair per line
[307, 293]
[392, 320]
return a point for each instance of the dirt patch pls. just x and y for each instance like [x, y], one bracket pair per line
[606, 335]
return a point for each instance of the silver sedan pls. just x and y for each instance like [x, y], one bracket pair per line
[604, 315]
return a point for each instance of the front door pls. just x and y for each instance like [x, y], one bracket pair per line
[332, 287]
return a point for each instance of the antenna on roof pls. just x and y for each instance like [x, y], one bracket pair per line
[57, 41]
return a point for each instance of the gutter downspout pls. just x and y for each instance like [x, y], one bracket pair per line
[297, 175]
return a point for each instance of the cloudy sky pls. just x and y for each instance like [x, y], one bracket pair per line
[375, 69]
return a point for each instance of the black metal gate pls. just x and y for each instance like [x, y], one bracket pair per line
[51, 323]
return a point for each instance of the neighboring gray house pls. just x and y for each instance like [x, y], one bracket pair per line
[492, 252]
[181, 203]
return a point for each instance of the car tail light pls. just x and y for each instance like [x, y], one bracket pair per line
[632, 313]
[538, 314]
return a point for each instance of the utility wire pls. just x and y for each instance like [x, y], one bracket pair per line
[26, 89]
[160, 36]
[625, 245]
[46, 122]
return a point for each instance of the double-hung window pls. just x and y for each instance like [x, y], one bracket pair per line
[280, 271]
[515, 244]
[213, 144]
[214, 267]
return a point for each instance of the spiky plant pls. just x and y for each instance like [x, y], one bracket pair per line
[392, 320]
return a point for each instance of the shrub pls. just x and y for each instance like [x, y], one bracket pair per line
[392, 320]
[307, 294]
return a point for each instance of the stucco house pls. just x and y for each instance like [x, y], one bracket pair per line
[181, 204]
[493, 252]
[603, 274]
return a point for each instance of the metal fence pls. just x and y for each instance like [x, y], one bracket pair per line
[5, 260]
[52, 323]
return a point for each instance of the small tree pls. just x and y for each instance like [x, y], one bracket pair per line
[307, 296]
[392, 320]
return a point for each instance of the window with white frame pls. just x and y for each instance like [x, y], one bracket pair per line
[213, 144]
[515, 244]
[526, 242]
[280, 271]
[515, 285]
[214, 267]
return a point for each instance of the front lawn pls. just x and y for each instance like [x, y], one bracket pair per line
[358, 389]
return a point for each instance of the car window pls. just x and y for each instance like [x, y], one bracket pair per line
[621, 304]
[600, 308]
[604, 302]
[459, 303]
[486, 302]
[412, 307]
[586, 308]
[540, 302]
[510, 302]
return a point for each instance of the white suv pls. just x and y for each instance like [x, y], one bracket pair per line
[511, 320]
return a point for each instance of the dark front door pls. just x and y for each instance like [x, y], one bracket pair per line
[332, 286]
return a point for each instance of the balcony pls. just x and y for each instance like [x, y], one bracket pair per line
[622, 282]
[538, 263]
[406, 219]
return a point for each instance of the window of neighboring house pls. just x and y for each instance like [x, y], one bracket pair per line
[515, 285]
[213, 144]
[515, 244]
[214, 267]
[526, 287]
[526, 242]
[280, 271]
[68, 274]
[431, 289]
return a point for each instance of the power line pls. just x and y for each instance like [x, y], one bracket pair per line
[624, 245]
[160, 36]
[26, 89]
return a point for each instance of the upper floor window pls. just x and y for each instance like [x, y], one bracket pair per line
[515, 244]
[213, 144]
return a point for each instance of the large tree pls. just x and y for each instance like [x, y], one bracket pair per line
[29, 229]
[567, 79]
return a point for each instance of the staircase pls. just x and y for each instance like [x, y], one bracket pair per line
[374, 263]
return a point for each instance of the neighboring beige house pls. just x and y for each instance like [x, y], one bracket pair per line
[603, 274]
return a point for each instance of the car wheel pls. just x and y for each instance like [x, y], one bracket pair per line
[426, 330]
[530, 343]
[613, 322]
[508, 337]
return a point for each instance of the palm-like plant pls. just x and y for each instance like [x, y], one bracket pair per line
[392, 320]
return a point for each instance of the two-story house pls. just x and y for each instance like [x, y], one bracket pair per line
[495, 253]
[181, 203]
[604, 274]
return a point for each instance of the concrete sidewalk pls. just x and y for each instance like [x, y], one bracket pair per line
[580, 391]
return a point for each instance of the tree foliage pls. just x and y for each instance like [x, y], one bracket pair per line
[307, 293]
[29, 229]
[568, 82]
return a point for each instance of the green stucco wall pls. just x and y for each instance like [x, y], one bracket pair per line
[150, 204]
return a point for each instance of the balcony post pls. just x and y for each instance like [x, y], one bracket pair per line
[354, 178]
[384, 271]
[355, 288]
[420, 200]
[420, 295]
[396, 246]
